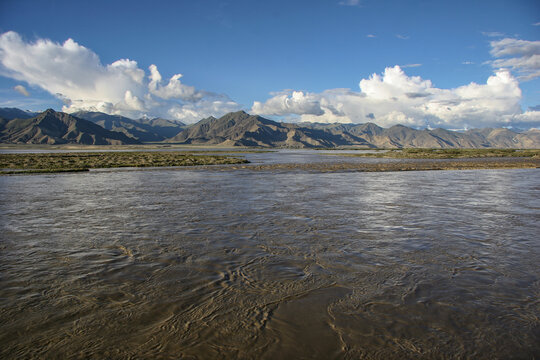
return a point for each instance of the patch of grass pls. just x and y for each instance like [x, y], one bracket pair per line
[83, 161]
[450, 153]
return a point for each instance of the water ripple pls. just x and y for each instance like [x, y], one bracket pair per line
[233, 264]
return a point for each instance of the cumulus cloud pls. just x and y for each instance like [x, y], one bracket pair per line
[521, 56]
[528, 118]
[21, 90]
[174, 89]
[76, 75]
[295, 102]
[395, 98]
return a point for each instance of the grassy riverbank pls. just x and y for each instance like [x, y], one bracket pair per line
[448, 153]
[412, 165]
[83, 161]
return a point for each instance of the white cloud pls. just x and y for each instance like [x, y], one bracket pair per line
[528, 67]
[402, 37]
[371, 36]
[174, 89]
[528, 117]
[521, 56]
[75, 74]
[468, 63]
[394, 84]
[396, 98]
[284, 103]
[509, 47]
[21, 90]
[536, 24]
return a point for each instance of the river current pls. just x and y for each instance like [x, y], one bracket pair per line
[237, 263]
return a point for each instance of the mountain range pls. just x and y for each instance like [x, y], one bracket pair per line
[51, 127]
[242, 129]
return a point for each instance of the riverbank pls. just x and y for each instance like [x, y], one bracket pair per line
[418, 165]
[447, 153]
[83, 161]
[259, 160]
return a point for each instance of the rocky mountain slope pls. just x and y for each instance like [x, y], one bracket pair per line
[51, 127]
[242, 129]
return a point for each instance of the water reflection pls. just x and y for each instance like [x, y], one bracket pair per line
[245, 264]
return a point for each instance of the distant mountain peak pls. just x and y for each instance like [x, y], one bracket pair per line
[236, 115]
[239, 112]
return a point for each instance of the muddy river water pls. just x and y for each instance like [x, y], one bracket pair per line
[199, 264]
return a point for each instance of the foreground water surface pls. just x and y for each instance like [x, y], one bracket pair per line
[168, 263]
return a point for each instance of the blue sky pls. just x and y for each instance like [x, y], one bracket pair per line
[233, 54]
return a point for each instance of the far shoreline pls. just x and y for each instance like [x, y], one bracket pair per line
[407, 165]
[69, 161]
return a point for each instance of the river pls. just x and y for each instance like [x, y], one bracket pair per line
[199, 263]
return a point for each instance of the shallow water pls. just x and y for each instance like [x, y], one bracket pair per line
[256, 264]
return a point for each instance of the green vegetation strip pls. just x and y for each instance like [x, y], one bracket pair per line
[448, 153]
[83, 161]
